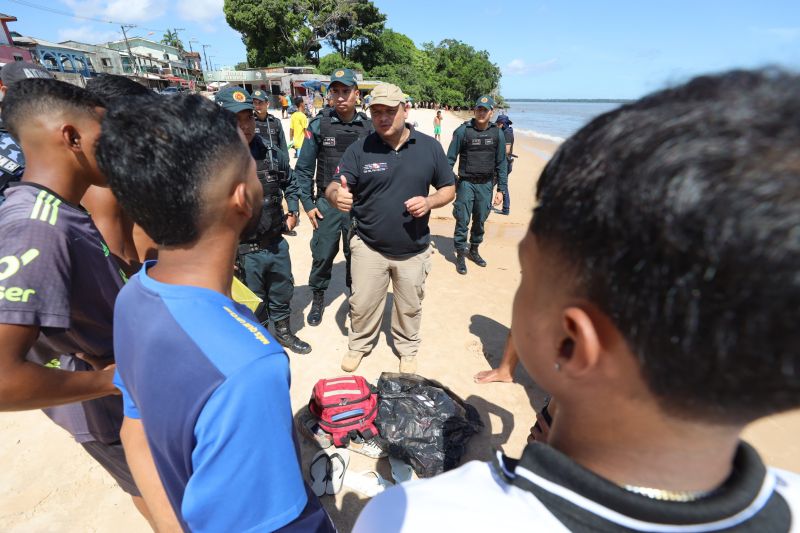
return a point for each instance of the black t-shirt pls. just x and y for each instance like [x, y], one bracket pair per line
[382, 179]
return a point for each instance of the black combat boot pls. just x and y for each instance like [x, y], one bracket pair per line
[317, 308]
[475, 257]
[288, 339]
[461, 264]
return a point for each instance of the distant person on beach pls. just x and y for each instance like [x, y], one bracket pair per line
[284, 104]
[480, 147]
[298, 125]
[662, 319]
[385, 180]
[437, 126]
[58, 280]
[196, 369]
[329, 135]
[508, 132]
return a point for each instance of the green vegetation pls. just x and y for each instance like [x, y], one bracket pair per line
[170, 38]
[292, 32]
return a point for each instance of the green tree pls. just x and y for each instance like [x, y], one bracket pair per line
[353, 23]
[171, 38]
[271, 29]
[241, 66]
[389, 48]
[274, 30]
[460, 69]
[335, 61]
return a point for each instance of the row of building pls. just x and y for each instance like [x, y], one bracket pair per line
[153, 64]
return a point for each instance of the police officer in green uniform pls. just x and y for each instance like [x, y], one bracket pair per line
[268, 127]
[270, 130]
[264, 256]
[480, 147]
[327, 137]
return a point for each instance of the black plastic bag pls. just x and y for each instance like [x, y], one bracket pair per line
[423, 423]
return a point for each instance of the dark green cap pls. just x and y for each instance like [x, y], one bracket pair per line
[344, 76]
[234, 99]
[485, 101]
[260, 95]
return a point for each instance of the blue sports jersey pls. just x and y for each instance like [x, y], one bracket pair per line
[211, 387]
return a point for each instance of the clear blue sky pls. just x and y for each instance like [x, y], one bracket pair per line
[546, 49]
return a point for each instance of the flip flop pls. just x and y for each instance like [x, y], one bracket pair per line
[367, 483]
[339, 460]
[320, 472]
[401, 471]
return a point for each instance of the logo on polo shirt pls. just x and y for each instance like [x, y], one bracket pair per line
[369, 168]
[329, 141]
[239, 97]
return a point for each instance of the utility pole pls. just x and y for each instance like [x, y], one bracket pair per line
[128, 46]
[175, 33]
[205, 56]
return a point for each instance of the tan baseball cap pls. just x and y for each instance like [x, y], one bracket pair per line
[388, 95]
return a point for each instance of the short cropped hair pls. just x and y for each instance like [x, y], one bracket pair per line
[110, 87]
[680, 216]
[32, 97]
[298, 101]
[158, 153]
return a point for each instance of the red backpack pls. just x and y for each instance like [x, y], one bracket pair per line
[345, 407]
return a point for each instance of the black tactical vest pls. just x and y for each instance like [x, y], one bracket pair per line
[271, 223]
[335, 138]
[268, 129]
[478, 152]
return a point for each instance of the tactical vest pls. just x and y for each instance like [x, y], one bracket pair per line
[477, 155]
[335, 138]
[271, 223]
[268, 129]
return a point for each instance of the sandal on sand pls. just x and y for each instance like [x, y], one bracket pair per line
[320, 472]
[367, 483]
[401, 471]
[339, 460]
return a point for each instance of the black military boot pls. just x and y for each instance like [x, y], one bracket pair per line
[317, 308]
[461, 264]
[475, 257]
[288, 339]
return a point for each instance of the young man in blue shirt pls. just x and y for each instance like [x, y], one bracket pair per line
[208, 422]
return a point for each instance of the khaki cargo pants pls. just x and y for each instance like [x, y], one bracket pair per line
[371, 273]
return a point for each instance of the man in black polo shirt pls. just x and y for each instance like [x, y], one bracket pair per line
[384, 180]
